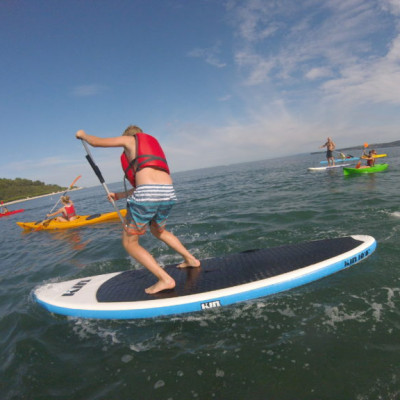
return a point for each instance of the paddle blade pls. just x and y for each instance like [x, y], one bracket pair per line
[75, 180]
[365, 145]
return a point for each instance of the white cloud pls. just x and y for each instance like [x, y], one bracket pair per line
[225, 98]
[209, 55]
[318, 72]
[374, 80]
[332, 34]
[392, 6]
[88, 90]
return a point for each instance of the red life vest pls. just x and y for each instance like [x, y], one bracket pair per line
[70, 211]
[148, 154]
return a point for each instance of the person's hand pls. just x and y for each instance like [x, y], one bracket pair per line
[80, 134]
[112, 197]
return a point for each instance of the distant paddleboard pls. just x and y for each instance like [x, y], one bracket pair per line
[327, 168]
[342, 160]
[218, 282]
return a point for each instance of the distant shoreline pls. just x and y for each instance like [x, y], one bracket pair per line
[38, 197]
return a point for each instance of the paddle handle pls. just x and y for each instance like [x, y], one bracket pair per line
[98, 173]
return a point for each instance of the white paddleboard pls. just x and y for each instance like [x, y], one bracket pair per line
[327, 168]
[217, 282]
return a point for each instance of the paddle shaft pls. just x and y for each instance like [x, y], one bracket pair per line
[359, 163]
[97, 171]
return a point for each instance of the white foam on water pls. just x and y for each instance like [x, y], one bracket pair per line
[85, 328]
[337, 315]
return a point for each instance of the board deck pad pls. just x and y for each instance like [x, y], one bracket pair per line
[217, 282]
[223, 272]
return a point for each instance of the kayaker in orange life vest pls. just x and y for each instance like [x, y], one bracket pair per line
[67, 211]
[370, 158]
[149, 202]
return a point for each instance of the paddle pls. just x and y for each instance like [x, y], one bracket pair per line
[46, 222]
[358, 165]
[101, 179]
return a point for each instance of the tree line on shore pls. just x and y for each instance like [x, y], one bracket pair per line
[19, 188]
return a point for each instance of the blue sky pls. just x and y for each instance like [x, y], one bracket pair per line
[217, 82]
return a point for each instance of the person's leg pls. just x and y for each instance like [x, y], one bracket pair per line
[328, 159]
[172, 241]
[141, 255]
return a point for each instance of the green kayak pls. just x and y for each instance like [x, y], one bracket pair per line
[365, 170]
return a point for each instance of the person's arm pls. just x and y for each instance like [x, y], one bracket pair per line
[95, 141]
[59, 211]
[119, 195]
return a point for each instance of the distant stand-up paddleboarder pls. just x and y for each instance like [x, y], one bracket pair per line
[330, 146]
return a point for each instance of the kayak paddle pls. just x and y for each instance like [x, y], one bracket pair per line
[70, 187]
[45, 222]
[101, 179]
[358, 165]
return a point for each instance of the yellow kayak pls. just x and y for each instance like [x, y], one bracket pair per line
[81, 220]
[375, 156]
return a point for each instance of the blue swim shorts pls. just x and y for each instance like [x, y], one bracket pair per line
[149, 204]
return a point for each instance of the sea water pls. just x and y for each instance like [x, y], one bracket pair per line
[337, 338]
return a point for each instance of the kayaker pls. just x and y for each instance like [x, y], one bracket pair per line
[149, 202]
[370, 158]
[330, 146]
[67, 212]
[4, 210]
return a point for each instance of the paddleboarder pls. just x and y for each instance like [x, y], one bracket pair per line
[149, 202]
[330, 146]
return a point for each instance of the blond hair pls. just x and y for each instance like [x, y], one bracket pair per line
[132, 130]
[65, 199]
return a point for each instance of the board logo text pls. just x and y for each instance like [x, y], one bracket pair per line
[76, 288]
[357, 258]
[210, 304]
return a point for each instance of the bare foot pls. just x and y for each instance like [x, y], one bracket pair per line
[192, 262]
[160, 285]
